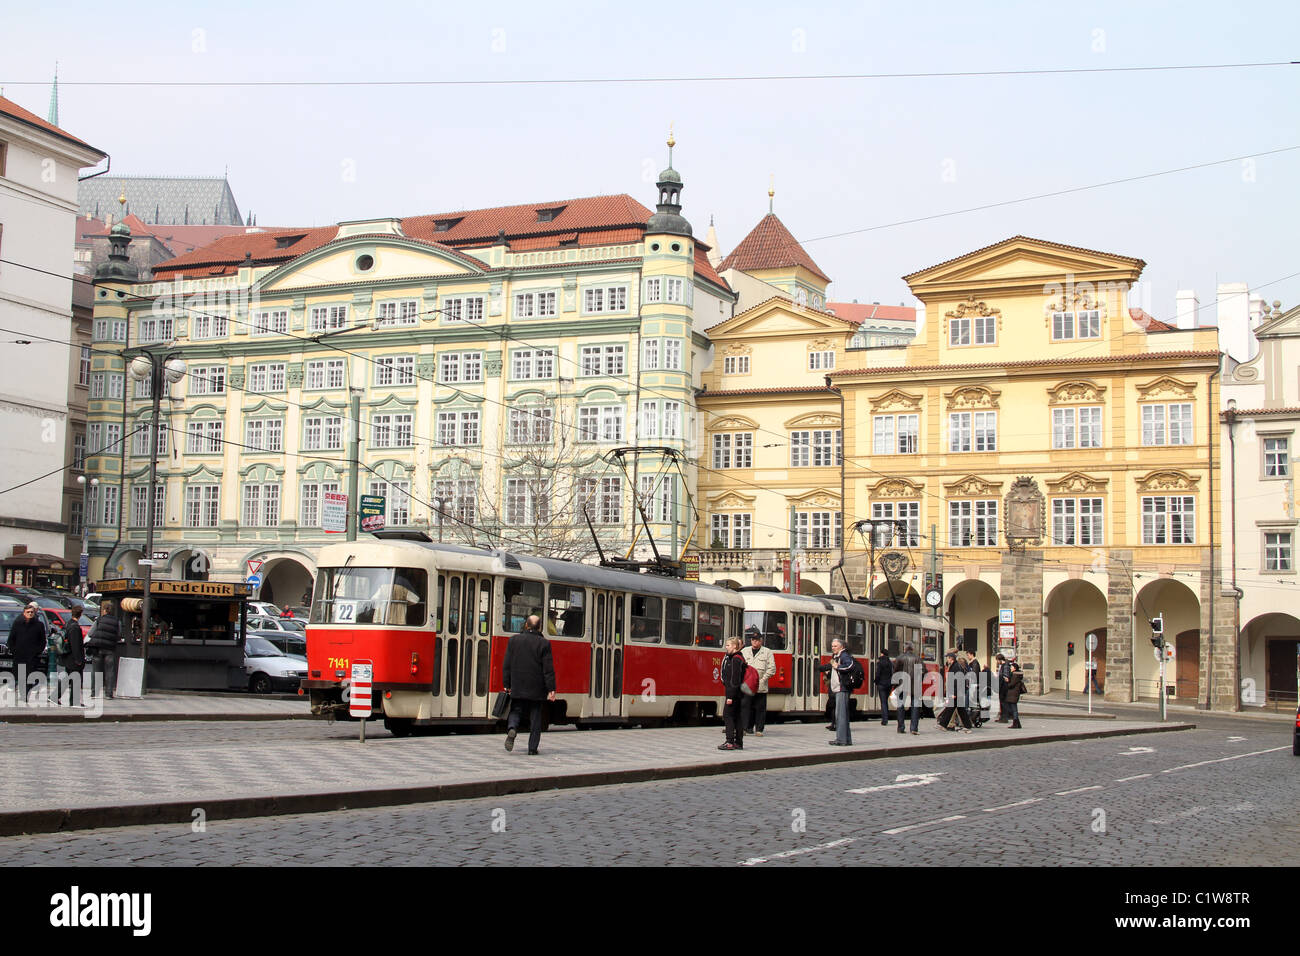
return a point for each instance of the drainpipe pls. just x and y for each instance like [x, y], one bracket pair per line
[1230, 416]
[1210, 419]
[839, 565]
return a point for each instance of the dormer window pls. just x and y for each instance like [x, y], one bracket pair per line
[284, 242]
[444, 225]
[549, 215]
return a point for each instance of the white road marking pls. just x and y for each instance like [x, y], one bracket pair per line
[753, 861]
[928, 823]
[1189, 766]
[1127, 779]
[901, 781]
[1137, 750]
[1066, 793]
[1183, 815]
[1230, 739]
[1022, 803]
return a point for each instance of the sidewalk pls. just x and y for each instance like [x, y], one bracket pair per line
[138, 781]
[169, 705]
[1055, 702]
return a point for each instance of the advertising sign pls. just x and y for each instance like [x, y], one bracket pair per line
[372, 512]
[334, 512]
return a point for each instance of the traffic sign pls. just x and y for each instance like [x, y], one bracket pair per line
[1091, 642]
[254, 566]
[1006, 615]
[254, 581]
[1006, 634]
[362, 674]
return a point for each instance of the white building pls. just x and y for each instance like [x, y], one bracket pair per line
[39, 166]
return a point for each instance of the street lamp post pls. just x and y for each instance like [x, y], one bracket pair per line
[85, 529]
[161, 371]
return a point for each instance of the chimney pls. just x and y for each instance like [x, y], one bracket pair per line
[1185, 305]
[1235, 336]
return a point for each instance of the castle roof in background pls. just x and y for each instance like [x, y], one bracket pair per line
[858, 313]
[770, 245]
[171, 200]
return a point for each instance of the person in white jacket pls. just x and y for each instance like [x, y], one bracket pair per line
[763, 661]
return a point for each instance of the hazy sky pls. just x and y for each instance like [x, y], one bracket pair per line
[846, 154]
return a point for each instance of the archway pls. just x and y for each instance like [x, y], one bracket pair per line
[973, 618]
[903, 593]
[1073, 610]
[1268, 659]
[1182, 617]
[285, 581]
[809, 587]
[190, 565]
[123, 564]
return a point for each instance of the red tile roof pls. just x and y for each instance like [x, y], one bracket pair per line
[857, 312]
[1001, 242]
[705, 268]
[228, 252]
[10, 108]
[1240, 413]
[1028, 363]
[789, 389]
[770, 245]
[1149, 324]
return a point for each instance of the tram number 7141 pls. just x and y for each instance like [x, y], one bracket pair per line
[343, 663]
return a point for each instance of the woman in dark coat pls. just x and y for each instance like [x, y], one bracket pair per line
[884, 684]
[954, 684]
[735, 712]
[1015, 687]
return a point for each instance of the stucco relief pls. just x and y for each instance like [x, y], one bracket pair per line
[1167, 481]
[1025, 509]
[1078, 391]
[1076, 483]
[971, 486]
[813, 421]
[731, 424]
[972, 306]
[896, 400]
[737, 349]
[895, 488]
[1166, 387]
[973, 396]
[731, 502]
[821, 345]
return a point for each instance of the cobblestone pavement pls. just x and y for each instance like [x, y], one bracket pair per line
[1210, 797]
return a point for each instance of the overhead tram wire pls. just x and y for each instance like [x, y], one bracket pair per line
[676, 80]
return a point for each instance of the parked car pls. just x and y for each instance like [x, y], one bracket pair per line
[295, 645]
[269, 668]
[300, 612]
[260, 623]
[263, 609]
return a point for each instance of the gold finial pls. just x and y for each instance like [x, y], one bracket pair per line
[671, 142]
[122, 198]
[771, 191]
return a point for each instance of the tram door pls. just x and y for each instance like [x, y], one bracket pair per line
[447, 682]
[605, 687]
[475, 647]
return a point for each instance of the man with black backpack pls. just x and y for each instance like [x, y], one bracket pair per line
[844, 669]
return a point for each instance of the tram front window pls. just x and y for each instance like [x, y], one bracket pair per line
[383, 597]
[771, 624]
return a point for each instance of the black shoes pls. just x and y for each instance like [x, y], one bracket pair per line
[510, 739]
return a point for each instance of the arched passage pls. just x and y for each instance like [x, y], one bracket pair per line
[903, 592]
[1182, 616]
[1074, 610]
[973, 618]
[809, 587]
[286, 581]
[1268, 658]
[190, 565]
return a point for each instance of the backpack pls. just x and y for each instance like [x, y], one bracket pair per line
[854, 677]
[749, 685]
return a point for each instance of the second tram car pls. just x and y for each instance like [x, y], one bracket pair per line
[434, 620]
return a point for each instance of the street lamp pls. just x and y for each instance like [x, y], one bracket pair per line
[85, 527]
[161, 371]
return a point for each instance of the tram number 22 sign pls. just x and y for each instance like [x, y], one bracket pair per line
[359, 699]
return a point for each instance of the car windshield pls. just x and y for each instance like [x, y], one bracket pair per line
[293, 624]
[261, 647]
[7, 617]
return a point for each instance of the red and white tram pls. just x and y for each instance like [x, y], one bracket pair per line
[434, 619]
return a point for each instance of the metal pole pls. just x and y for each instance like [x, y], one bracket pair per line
[1088, 677]
[790, 575]
[354, 456]
[156, 380]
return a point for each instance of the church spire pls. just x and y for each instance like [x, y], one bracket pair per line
[53, 116]
[668, 217]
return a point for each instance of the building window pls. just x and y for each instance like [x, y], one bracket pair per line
[662, 354]
[155, 328]
[531, 425]
[602, 360]
[326, 373]
[455, 367]
[458, 428]
[1077, 521]
[600, 423]
[261, 505]
[274, 322]
[973, 524]
[653, 290]
[973, 431]
[268, 377]
[528, 501]
[144, 388]
[395, 370]
[116, 385]
[661, 419]
[601, 499]
[397, 500]
[311, 501]
[1277, 457]
[532, 364]
[326, 317]
[208, 380]
[465, 308]
[656, 497]
[204, 437]
[113, 438]
[733, 450]
[202, 506]
[264, 434]
[322, 433]
[139, 498]
[735, 365]
[141, 441]
[395, 312]
[391, 431]
[1085, 324]
[83, 369]
[675, 290]
[905, 531]
[818, 361]
[733, 531]
[78, 450]
[108, 494]
[973, 330]
[896, 434]
[1169, 519]
[210, 326]
[816, 448]
[604, 299]
[97, 384]
[531, 305]
[818, 529]
[74, 518]
[1277, 551]
[1167, 424]
[1076, 427]
[457, 498]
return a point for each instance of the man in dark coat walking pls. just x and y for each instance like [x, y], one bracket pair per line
[884, 684]
[27, 639]
[72, 660]
[102, 645]
[528, 676]
[909, 687]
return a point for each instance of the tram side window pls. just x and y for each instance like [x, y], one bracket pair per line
[647, 619]
[677, 623]
[564, 613]
[521, 598]
[913, 635]
[877, 638]
[835, 632]
[895, 640]
[930, 645]
[772, 625]
[858, 638]
[709, 625]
